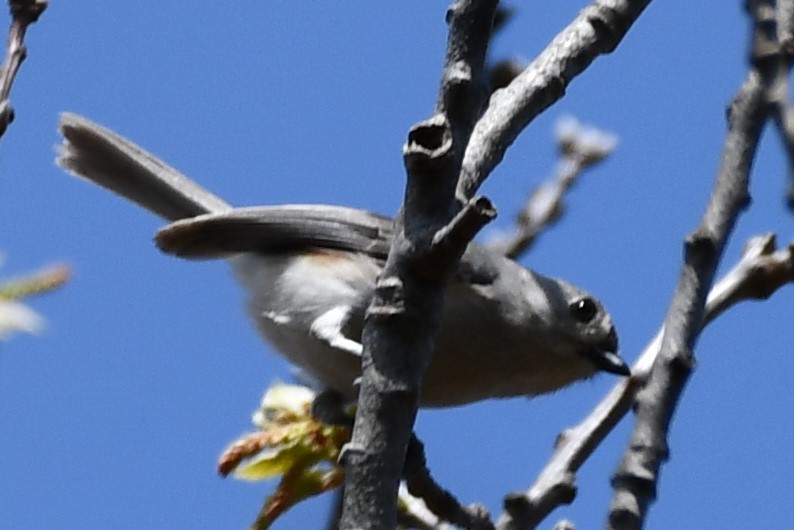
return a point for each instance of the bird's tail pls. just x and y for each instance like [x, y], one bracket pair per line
[92, 152]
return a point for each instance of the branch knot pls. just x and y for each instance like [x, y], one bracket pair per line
[429, 145]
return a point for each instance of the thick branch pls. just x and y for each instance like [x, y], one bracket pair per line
[597, 30]
[23, 14]
[760, 272]
[431, 234]
[637, 475]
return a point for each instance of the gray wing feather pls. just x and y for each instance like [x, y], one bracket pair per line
[298, 227]
[278, 228]
[208, 227]
[101, 156]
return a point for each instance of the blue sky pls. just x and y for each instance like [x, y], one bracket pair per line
[114, 417]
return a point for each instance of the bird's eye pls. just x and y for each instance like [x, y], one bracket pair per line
[583, 310]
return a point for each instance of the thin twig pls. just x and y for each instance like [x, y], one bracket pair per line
[439, 501]
[415, 514]
[637, 476]
[761, 271]
[580, 147]
[780, 105]
[23, 14]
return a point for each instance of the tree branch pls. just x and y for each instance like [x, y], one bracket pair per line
[780, 106]
[432, 231]
[761, 271]
[597, 30]
[440, 502]
[636, 478]
[23, 14]
[415, 514]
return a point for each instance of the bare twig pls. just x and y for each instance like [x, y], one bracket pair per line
[439, 501]
[23, 14]
[761, 271]
[637, 475]
[415, 514]
[432, 233]
[780, 106]
[580, 148]
[597, 30]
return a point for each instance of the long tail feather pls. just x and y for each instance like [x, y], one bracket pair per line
[101, 156]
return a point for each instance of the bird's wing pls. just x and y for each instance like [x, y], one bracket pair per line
[303, 226]
[277, 228]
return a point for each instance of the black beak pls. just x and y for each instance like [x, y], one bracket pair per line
[605, 356]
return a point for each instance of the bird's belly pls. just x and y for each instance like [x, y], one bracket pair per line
[328, 366]
[287, 292]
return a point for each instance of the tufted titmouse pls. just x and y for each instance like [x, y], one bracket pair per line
[309, 272]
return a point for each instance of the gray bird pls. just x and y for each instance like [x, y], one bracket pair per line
[309, 272]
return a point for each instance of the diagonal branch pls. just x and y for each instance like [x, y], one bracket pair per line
[760, 272]
[23, 14]
[421, 485]
[637, 475]
[597, 30]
